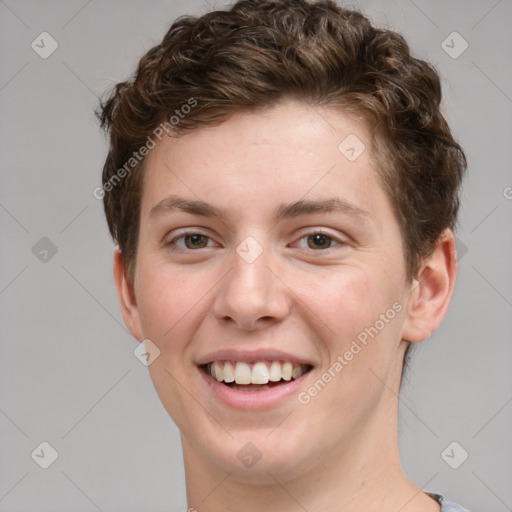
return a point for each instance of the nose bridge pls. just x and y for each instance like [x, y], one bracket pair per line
[251, 292]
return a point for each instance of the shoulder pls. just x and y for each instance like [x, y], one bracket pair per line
[447, 506]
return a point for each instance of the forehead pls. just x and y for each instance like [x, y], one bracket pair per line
[277, 154]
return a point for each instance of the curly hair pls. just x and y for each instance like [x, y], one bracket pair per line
[260, 52]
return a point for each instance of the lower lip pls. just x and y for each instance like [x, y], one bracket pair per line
[264, 399]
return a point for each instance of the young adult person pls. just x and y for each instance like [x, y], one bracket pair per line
[283, 188]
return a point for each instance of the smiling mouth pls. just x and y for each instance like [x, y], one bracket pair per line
[260, 376]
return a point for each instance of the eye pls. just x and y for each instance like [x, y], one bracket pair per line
[190, 240]
[320, 240]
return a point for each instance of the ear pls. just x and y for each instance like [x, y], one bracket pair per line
[432, 290]
[126, 296]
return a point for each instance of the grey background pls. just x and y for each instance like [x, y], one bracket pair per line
[68, 375]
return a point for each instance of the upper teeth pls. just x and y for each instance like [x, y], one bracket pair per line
[260, 373]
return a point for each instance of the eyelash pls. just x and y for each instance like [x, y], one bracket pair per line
[171, 244]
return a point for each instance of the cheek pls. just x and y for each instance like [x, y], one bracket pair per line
[168, 302]
[362, 318]
[348, 299]
[170, 309]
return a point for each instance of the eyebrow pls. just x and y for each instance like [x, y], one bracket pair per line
[283, 211]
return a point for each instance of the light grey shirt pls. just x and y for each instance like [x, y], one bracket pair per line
[447, 506]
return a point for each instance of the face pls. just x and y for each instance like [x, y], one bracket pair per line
[261, 242]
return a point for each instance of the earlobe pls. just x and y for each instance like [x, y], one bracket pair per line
[432, 290]
[126, 296]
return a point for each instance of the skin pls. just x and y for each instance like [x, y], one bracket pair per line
[339, 451]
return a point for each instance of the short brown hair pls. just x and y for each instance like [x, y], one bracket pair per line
[259, 52]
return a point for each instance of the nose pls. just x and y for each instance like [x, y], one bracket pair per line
[252, 295]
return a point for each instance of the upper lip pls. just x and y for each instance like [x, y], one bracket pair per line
[251, 356]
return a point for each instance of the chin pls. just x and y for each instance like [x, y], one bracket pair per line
[259, 457]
